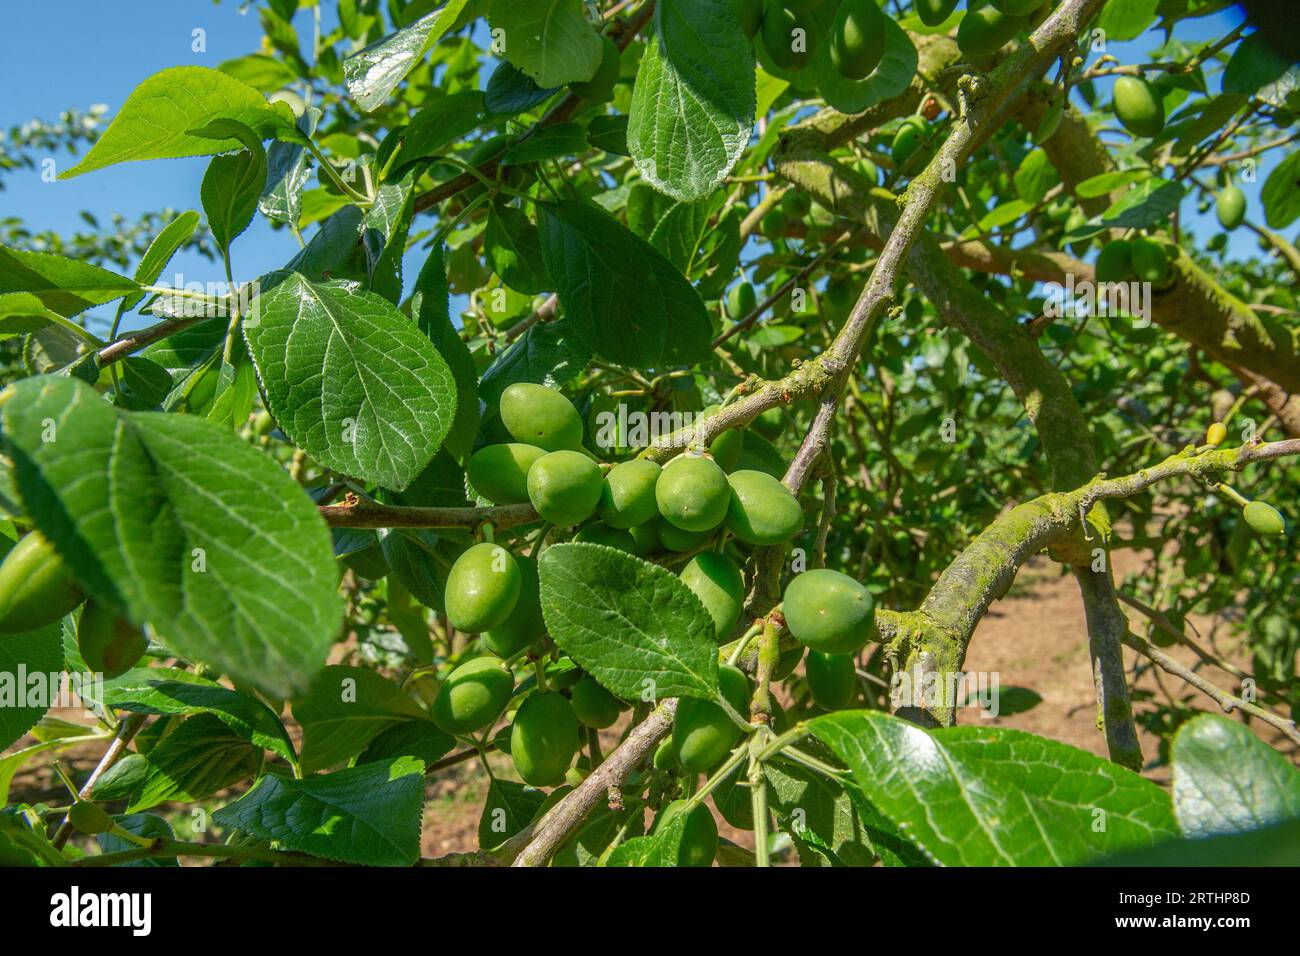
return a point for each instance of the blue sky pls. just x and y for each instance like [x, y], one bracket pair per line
[102, 50]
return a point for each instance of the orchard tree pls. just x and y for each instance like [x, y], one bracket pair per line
[695, 371]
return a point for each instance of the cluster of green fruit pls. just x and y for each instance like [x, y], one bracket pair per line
[638, 506]
[792, 32]
[1141, 258]
[37, 589]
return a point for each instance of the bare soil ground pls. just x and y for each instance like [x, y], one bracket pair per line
[1034, 638]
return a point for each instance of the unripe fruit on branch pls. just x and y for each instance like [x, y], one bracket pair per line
[482, 588]
[789, 35]
[543, 739]
[472, 696]
[1264, 518]
[1148, 260]
[565, 487]
[1230, 207]
[1115, 261]
[857, 38]
[1138, 106]
[692, 493]
[593, 705]
[673, 538]
[741, 300]
[523, 626]
[829, 611]
[985, 29]
[36, 586]
[1216, 433]
[500, 472]
[108, 644]
[832, 678]
[716, 581]
[627, 497]
[537, 415]
[934, 12]
[89, 818]
[762, 510]
[703, 734]
[597, 532]
[699, 843]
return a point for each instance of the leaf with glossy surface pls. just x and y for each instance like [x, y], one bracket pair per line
[976, 796]
[693, 104]
[153, 513]
[1227, 780]
[549, 40]
[371, 74]
[621, 296]
[351, 380]
[1149, 203]
[156, 119]
[631, 624]
[368, 814]
[344, 709]
[438, 124]
[511, 91]
[1281, 193]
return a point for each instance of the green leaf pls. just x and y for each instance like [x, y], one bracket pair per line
[1227, 780]
[1035, 176]
[1127, 20]
[371, 74]
[508, 809]
[288, 169]
[330, 246]
[412, 738]
[1281, 193]
[550, 142]
[260, 71]
[198, 758]
[142, 824]
[384, 233]
[431, 306]
[621, 296]
[165, 245]
[1147, 204]
[233, 184]
[368, 814]
[438, 124]
[832, 825]
[979, 796]
[23, 841]
[609, 133]
[510, 91]
[1277, 845]
[156, 120]
[693, 104]
[1253, 67]
[661, 848]
[1105, 183]
[632, 625]
[891, 77]
[420, 562]
[165, 691]
[37, 654]
[390, 397]
[67, 286]
[546, 354]
[514, 249]
[344, 709]
[168, 530]
[549, 40]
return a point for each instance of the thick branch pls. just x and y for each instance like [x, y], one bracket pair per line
[539, 842]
